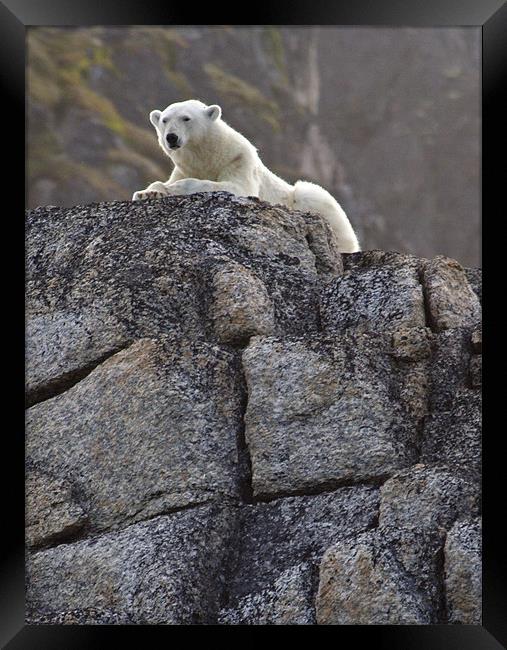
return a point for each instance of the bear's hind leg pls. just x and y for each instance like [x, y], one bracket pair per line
[309, 197]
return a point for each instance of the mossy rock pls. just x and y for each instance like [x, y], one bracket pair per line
[244, 93]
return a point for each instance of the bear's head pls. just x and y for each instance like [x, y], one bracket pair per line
[183, 124]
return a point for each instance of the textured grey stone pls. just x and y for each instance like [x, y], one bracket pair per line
[382, 577]
[328, 260]
[62, 346]
[477, 339]
[476, 371]
[288, 602]
[169, 570]
[412, 393]
[474, 277]
[134, 314]
[412, 348]
[454, 436]
[369, 259]
[79, 616]
[276, 537]
[450, 300]
[324, 410]
[412, 343]
[101, 275]
[241, 305]
[427, 498]
[463, 572]
[382, 298]
[52, 510]
[153, 427]
[449, 367]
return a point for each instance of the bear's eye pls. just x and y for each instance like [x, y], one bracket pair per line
[164, 120]
[186, 119]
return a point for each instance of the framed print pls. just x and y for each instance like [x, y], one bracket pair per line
[252, 281]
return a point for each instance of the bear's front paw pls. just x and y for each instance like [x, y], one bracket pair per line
[147, 194]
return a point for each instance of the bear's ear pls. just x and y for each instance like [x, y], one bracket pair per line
[155, 117]
[214, 112]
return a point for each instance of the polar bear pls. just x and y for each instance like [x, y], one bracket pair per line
[210, 156]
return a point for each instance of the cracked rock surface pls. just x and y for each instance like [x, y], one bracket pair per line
[383, 577]
[138, 573]
[152, 428]
[324, 410]
[228, 422]
[463, 552]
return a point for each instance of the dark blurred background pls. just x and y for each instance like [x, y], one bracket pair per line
[387, 119]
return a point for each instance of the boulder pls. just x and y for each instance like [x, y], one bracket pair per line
[282, 541]
[151, 429]
[463, 572]
[322, 411]
[381, 577]
[167, 570]
[450, 299]
[427, 498]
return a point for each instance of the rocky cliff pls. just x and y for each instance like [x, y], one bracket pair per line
[230, 422]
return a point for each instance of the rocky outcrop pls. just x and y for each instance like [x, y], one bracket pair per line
[230, 422]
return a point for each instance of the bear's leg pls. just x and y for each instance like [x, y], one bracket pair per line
[309, 197]
[192, 185]
[154, 191]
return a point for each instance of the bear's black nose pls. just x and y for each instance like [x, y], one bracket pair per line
[172, 139]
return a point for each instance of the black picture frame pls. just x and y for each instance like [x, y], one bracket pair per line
[15, 16]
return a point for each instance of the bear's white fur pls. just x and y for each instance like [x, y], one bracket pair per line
[209, 155]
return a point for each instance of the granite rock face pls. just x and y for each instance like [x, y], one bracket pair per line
[242, 307]
[152, 428]
[427, 498]
[53, 511]
[101, 276]
[288, 601]
[138, 572]
[284, 540]
[63, 346]
[451, 300]
[463, 552]
[322, 411]
[382, 577]
[453, 436]
[379, 299]
[231, 423]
